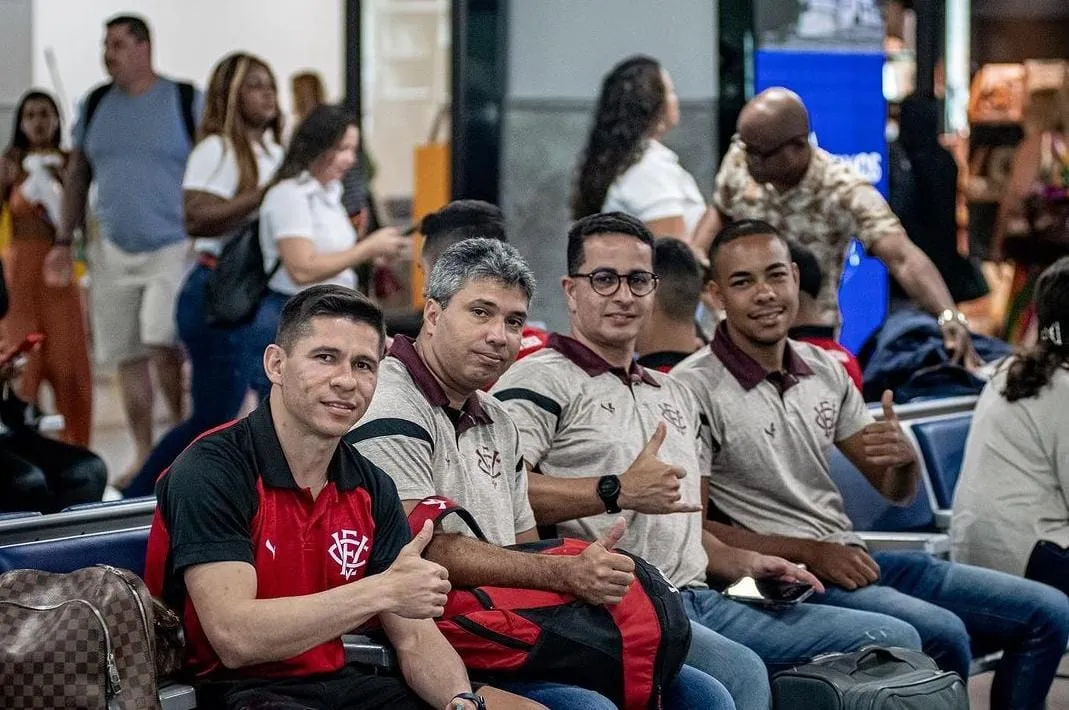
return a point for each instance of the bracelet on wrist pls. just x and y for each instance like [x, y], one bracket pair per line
[950, 315]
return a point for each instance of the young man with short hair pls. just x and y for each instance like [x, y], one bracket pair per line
[605, 437]
[775, 409]
[671, 332]
[273, 538]
[437, 434]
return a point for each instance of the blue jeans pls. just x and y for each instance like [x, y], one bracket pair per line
[691, 689]
[255, 338]
[738, 644]
[952, 605]
[218, 381]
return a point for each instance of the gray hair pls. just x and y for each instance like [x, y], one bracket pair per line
[474, 259]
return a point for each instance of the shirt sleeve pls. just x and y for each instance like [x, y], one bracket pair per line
[872, 216]
[210, 169]
[530, 394]
[399, 442]
[853, 414]
[286, 207]
[724, 189]
[207, 501]
[391, 523]
[651, 189]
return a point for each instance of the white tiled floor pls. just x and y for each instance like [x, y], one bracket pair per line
[112, 442]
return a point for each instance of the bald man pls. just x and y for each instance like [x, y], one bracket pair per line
[773, 173]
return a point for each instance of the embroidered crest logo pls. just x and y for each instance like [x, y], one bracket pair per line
[489, 461]
[350, 551]
[825, 417]
[674, 417]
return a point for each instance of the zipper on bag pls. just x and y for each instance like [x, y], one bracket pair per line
[144, 618]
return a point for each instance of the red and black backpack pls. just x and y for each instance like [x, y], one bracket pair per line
[629, 652]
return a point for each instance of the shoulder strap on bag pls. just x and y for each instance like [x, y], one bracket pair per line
[435, 508]
[186, 95]
[92, 103]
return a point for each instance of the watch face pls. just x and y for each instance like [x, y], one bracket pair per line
[609, 486]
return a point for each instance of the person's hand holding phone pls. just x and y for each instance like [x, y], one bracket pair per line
[388, 244]
[767, 567]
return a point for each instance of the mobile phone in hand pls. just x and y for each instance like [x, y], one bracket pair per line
[767, 592]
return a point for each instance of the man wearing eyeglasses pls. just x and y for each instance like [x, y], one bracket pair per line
[602, 437]
[774, 174]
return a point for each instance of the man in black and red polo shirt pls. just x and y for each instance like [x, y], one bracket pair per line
[274, 539]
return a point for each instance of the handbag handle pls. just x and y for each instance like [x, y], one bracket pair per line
[435, 508]
[872, 656]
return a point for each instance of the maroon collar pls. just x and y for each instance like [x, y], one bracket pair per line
[748, 372]
[404, 349]
[594, 365]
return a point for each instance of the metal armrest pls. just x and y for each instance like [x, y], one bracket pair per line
[942, 519]
[360, 649]
[177, 696]
[935, 544]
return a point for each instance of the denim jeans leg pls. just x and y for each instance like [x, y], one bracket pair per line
[695, 689]
[1027, 620]
[217, 385]
[735, 666]
[256, 336]
[557, 696]
[784, 638]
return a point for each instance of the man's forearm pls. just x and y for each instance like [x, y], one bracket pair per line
[430, 666]
[556, 500]
[75, 193]
[472, 563]
[789, 548]
[899, 485]
[921, 281]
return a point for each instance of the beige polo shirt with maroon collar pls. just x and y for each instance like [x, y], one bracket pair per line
[428, 448]
[771, 435]
[580, 417]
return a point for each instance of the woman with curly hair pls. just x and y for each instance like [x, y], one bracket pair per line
[236, 155]
[1012, 502]
[625, 167]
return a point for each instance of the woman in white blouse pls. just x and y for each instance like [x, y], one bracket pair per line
[625, 167]
[1013, 496]
[236, 156]
[305, 233]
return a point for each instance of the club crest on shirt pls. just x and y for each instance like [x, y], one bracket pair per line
[674, 417]
[350, 550]
[489, 462]
[825, 417]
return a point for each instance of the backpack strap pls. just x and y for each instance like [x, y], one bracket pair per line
[186, 96]
[435, 508]
[92, 103]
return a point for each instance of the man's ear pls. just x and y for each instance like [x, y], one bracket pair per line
[796, 274]
[711, 296]
[567, 283]
[274, 361]
[432, 311]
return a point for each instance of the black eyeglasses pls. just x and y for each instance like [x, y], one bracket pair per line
[606, 282]
[752, 152]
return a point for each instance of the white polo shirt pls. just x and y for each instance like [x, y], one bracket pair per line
[657, 187]
[428, 448]
[580, 417]
[771, 435]
[302, 207]
[213, 168]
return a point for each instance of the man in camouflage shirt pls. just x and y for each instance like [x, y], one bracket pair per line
[773, 173]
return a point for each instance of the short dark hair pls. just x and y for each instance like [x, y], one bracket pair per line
[603, 223]
[739, 230]
[328, 300]
[458, 221]
[681, 279]
[134, 24]
[810, 275]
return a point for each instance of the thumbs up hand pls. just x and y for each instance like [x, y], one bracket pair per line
[599, 575]
[649, 485]
[885, 444]
[417, 587]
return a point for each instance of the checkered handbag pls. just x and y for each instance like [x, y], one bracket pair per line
[87, 639]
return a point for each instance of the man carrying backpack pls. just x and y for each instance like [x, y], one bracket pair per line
[132, 140]
[432, 429]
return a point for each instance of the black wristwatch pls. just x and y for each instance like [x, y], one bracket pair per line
[609, 492]
[480, 704]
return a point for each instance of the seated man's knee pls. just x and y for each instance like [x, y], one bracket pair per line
[947, 641]
[896, 632]
[23, 486]
[1051, 610]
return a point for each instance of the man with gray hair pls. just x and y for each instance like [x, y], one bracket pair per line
[432, 429]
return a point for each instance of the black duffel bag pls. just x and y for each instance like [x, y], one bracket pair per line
[873, 678]
[233, 291]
